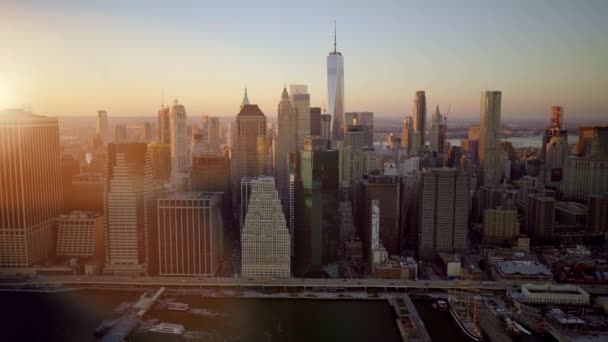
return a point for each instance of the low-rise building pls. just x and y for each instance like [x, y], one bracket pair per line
[521, 271]
[80, 234]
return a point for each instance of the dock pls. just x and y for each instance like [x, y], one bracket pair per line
[409, 323]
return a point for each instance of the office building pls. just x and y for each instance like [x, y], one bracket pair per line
[386, 191]
[407, 131]
[588, 174]
[265, 237]
[30, 180]
[120, 133]
[366, 121]
[500, 225]
[317, 227]
[210, 172]
[585, 139]
[189, 234]
[213, 133]
[249, 151]
[300, 107]
[598, 212]
[179, 143]
[540, 216]
[80, 234]
[146, 132]
[326, 126]
[570, 214]
[335, 91]
[164, 125]
[160, 158]
[315, 121]
[489, 137]
[285, 145]
[129, 205]
[438, 132]
[87, 193]
[444, 211]
[554, 130]
[103, 129]
[419, 114]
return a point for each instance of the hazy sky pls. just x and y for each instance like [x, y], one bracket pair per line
[75, 57]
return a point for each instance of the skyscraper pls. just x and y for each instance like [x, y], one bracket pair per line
[102, 126]
[300, 104]
[419, 115]
[444, 211]
[160, 157]
[406, 133]
[438, 132]
[317, 230]
[489, 137]
[554, 130]
[326, 126]
[335, 90]
[285, 144]
[146, 134]
[315, 121]
[80, 234]
[129, 210]
[249, 153]
[30, 187]
[540, 216]
[120, 133]
[213, 133]
[265, 237]
[164, 125]
[179, 142]
[366, 121]
[189, 234]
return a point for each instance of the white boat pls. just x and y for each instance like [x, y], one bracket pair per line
[465, 318]
[168, 328]
[177, 306]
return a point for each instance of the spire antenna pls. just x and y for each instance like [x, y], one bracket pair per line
[162, 98]
[335, 41]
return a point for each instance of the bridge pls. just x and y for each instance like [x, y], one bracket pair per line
[288, 284]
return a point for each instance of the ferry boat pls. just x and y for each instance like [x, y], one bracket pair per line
[464, 313]
[168, 328]
[177, 306]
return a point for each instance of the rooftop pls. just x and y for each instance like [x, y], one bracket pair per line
[530, 268]
[251, 110]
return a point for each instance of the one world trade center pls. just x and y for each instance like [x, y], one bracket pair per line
[335, 90]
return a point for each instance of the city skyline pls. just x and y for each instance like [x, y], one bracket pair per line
[120, 58]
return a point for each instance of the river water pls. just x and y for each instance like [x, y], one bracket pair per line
[72, 316]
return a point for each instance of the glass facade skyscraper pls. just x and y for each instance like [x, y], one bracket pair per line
[335, 91]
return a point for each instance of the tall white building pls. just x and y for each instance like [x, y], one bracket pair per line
[489, 137]
[179, 143]
[129, 208]
[30, 187]
[300, 103]
[335, 90]
[265, 237]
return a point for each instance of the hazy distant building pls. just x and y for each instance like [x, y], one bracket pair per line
[317, 227]
[555, 129]
[80, 235]
[585, 139]
[489, 139]
[146, 132]
[500, 225]
[285, 145]
[385, 190]
[335, 91]
[438, 132]
[406, 133]
[419, 115]
[326, 126]
[189, 234]
[30, 187]
[540, 216]
[129, 205]
[300, 104]
[598, 212]
[102, 126]
[87, 193]
[164, 125]
[160, 157]
[265, 237]
[444, 211]
[213, 133]
[179, 143]
[120, 133]
[526, 186]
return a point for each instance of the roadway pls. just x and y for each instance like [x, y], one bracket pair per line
[236, 283]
